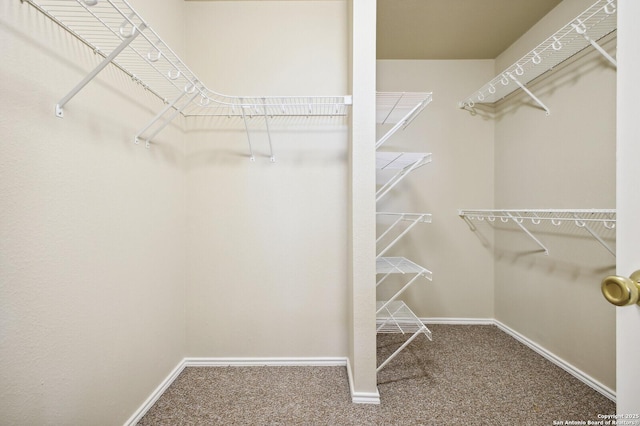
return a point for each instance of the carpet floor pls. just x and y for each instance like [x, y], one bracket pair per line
[468, 375]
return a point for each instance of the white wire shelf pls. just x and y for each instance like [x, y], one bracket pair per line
[582, 218]
[585, 30]
[396, 317]
[386, 266]
[393, 167]
[399, 109]
[115, 31]
[400, 225]
[400, 265]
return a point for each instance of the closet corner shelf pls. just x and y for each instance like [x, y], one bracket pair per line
[116, 32]
[585, 30]
[393, 167]
[582, 218]
[396, 317]
[399, 109]
[409, 219]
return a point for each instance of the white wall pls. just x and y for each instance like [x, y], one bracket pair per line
[92, 246]
[459, 176]
[267, 243]
[562, 161]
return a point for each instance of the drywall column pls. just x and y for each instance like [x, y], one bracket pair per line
[362, 295]
[627, 203]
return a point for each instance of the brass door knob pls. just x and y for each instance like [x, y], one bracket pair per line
[622, 291]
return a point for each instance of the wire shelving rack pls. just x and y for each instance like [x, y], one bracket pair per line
[581, 218]
[591, 26]
[116, 32]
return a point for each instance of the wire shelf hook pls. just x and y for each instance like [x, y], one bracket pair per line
[123, 27]
[536, 59]
[610, 8]
[580, 27]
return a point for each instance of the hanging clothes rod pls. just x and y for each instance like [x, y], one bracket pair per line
[116, 32]
[582, 218]
[592, 25]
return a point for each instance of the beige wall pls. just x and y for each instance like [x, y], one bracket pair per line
[459, 176]
[562, 161]
[267, 243]
[92, 246]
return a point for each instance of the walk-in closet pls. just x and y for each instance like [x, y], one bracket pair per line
[331, 211]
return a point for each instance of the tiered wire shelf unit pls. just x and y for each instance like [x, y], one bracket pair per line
[116, 32]
[587, 29]
[581, 218]
[395, 111]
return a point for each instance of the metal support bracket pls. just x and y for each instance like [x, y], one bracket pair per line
[580, 223]
[266, 122]
[384, 189]
[106, 61]
[518, 222]
[157, 117]
[246, 128]
[582, 30]
[167, 121]
[404, 345]
[528, 92]
[413, 218]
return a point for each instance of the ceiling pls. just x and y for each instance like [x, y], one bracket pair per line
[454, 29]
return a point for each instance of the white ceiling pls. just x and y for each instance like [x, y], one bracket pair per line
[454, 29]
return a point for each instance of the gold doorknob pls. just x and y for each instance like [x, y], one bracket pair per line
[622, 291]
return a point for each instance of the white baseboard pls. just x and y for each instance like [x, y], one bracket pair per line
[578, 374]
[155, 395]
[361, 397]
[459, 321]
[241, 362]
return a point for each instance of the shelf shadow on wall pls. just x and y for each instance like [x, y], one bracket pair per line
[571, 250]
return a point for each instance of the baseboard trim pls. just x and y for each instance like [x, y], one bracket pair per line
[578, 374]
[361, 397]
[459, 321]
[155, 395]
[254, 362]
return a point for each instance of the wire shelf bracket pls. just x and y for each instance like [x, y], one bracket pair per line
[386, 266]
[138, 51]
[394, 231]
[591, 26]
[399, 109]
[396, 317]
[582, 218]
[393, 167]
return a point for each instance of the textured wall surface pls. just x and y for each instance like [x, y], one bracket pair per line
[92, 235]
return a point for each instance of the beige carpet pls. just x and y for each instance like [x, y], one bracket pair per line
[468, 375]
